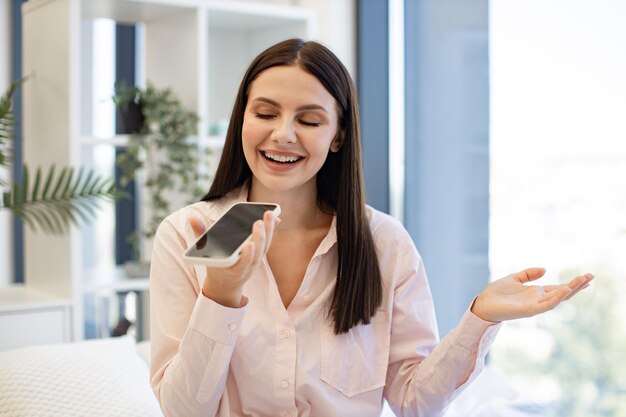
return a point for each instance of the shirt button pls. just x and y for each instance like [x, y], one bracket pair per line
[285, 333]
[284, 384]
[232, 326]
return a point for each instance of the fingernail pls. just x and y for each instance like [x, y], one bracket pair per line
[277, 220]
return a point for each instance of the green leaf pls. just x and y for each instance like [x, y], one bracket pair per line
[68, 181]
[36, 185]
[59, 182]
[25, 184]
[7, 121]
[46, 189]
[86, 182]
[74, 199]
[46, 201]
[16, 194]
[41, 218]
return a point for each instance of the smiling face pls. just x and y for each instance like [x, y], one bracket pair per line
[290, 124]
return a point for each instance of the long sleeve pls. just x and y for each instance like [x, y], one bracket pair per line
[425, 375]
[192, 337]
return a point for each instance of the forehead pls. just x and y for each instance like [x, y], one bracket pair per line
[280, 83]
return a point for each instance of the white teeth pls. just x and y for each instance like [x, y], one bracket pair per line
[281, 158]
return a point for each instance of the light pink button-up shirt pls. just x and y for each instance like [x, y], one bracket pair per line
[267, 360]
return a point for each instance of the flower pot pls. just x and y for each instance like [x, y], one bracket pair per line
[135, 269]
[130, 118]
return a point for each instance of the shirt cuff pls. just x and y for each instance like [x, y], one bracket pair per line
[473, 331]
[217, 322]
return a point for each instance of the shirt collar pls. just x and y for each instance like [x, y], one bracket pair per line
[329, 240]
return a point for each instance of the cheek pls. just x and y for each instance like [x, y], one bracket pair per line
[251, 133]
[324, 140]
[245, 141]
[247, 138]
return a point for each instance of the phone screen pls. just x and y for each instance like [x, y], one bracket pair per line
[229, 232]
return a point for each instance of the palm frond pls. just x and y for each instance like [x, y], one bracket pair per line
[52, 202]
[7, 121]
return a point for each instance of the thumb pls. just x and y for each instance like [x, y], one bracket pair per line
[196, 225]
[529, 274]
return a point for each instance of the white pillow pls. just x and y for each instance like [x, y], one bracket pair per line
[143, 350]
[104, 377]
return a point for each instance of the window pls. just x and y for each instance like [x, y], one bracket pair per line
[558, 196]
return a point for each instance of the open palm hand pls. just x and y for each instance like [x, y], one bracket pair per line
[509, 298]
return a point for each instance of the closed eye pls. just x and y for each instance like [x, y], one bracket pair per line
[311, 124]
[264, 116]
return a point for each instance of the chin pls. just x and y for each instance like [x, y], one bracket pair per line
[280, 185]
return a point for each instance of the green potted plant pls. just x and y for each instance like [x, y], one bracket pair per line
[48, 200]
[162, 147]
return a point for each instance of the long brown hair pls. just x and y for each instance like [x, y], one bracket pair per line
[358, 289]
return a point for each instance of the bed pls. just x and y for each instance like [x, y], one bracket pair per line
[103, 377]
[110, 377]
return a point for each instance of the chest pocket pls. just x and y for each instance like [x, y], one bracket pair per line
[356, 362]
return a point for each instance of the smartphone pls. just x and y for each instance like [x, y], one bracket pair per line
[220, 246]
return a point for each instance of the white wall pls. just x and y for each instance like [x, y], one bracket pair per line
[336, 20]
[6, 267]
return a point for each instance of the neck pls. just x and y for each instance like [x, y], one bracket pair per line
[299, 209]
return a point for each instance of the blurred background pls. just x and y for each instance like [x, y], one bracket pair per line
[558, 195]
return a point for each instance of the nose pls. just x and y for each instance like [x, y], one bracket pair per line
[284, 132]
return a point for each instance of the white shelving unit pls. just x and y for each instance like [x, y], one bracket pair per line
[198, 48]
[23, 309]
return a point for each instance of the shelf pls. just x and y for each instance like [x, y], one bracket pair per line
[133, 11]
[212, 141]
[197, 48]
[19, 297]
[118, 140]
[112, 279]
[243, 19]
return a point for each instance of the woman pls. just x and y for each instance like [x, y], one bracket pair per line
[328, 310]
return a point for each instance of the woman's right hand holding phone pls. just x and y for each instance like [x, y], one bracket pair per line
[225, 285]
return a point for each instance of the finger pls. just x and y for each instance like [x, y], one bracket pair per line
[574, 290]
[258, 238]
[270, 222]
[578, 283]
[196, 225]
[572, 285]
[575, 284]
[529, 274]
[579, 289]
[245, 259]
[552, 299]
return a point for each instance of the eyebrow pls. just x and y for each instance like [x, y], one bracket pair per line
[304, 107]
